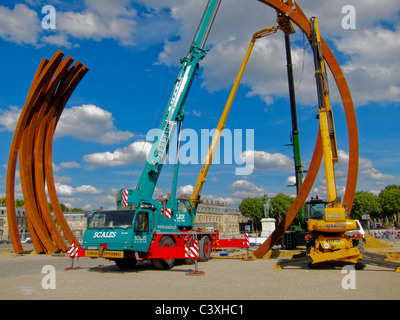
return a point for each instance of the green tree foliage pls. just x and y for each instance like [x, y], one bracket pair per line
[280, 204]
[63, 207]
[366, 203]
[252, 207]
[18, 203]
[389, 199]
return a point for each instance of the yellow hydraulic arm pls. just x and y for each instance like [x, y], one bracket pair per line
[327, 127]
[335, 211]
[221, 124]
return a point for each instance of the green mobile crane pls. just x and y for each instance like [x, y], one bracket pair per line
[160, 230]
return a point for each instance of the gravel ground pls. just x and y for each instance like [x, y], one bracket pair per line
[21, 277]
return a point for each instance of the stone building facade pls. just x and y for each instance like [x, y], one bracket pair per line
[224, 218]
[21, 222]
[76, 220]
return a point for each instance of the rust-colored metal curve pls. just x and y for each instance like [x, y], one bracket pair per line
[39, 176]
[294, 12]
[76, 75]
[50, 90]
[46, 67]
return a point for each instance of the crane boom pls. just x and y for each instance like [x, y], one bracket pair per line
[174, 112]
[194, 199]
[327, 127]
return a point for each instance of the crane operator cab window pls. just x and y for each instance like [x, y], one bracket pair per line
[142, 222]
[317, 211]
[184, 206]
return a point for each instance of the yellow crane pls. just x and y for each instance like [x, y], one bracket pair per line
[332, 235]
[327, 225]
[195, 197]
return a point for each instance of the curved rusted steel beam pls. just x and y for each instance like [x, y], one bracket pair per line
[67, 87]
[299, 18]
[39, 185]
[42, 76]
[26, 152]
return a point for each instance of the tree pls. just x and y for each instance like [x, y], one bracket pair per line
[389, 199]
[281, 204]
[366, 203]
[19, 203]
[63, 207]
[252, 207]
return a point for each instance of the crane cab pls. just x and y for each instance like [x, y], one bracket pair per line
[328, 219]
[119, 230]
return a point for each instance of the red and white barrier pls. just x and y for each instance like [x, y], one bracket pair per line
[75, 252]
[124, 198]
[167, 213]
[247, 241]
[192, 252]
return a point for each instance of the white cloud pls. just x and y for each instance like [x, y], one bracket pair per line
[370, 51]
[9, 118]
[86, 189]
[87, 122]
[369, 178]
[135, 152]
[64, 190]
[241, 189]
[366, 168]
[197, 113]
[66, 165]
[265, 161]
[244, 188]
[372, 70]
[187, 189]
[20, 25]
[290, 181]
[90, 123]
[58, 40]
[102, 19]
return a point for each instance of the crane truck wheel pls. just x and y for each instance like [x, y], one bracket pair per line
[163, 264]
[126, 263]
[204, 249]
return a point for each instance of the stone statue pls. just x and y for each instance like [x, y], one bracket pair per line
[267, 206]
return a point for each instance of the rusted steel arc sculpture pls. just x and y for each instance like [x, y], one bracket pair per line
[51, 88]
[44, 68]
[31, 152]
[294, 12]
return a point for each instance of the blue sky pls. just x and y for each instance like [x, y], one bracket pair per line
[132, 49]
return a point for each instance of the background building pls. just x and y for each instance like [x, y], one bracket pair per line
[21, 222]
